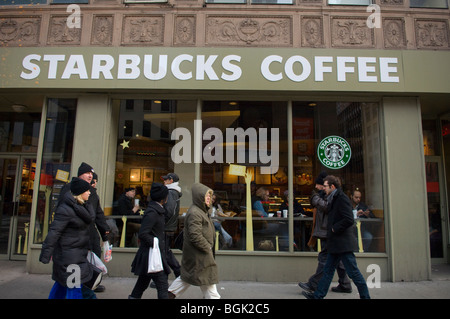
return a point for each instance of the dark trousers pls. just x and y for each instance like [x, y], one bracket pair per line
[349, 261]
[313, 281]
[160, 280]
[170, 258]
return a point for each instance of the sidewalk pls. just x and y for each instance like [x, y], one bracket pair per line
[16, 283]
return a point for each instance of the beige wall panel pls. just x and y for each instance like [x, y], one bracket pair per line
[406, 189]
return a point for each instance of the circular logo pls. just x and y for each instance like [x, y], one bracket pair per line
[334, 152]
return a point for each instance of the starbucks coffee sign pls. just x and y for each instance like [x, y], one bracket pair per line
[334, 152]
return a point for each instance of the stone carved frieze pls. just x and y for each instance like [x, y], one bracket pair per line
[61, 32]
[249, 31]
[184, 33]
[102, 30]
[432, 34]
[143, 30]
[351, 32]
[312, 32]
[19, 31]
[394, 33]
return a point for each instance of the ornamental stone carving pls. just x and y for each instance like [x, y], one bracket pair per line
[184, 33]
[432, 34]
[142, 30]
[63, 33]
[19, 31]
[102, 30]
[351, 32]
[249, 31]
[312, 32]
[394, 33]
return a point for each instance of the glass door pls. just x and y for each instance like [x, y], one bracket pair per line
[16, 193]
[436, 207]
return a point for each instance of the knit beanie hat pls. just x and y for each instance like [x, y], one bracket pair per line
[158, 192]
[85, 168]
[319, 179]
[78, 186]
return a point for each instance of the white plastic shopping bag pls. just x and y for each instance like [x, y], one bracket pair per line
[107, 250]
[154, 258]
[97, 262]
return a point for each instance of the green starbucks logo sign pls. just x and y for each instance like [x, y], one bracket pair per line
[334, 152]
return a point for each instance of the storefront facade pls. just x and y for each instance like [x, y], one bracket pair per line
[372, 114]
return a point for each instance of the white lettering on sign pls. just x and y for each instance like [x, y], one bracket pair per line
[184, 67]
[343, 66]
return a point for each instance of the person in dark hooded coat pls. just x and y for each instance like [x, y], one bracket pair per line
[153, 224]
[67, 242]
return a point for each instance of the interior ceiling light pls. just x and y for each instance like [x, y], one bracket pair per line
[18, 108]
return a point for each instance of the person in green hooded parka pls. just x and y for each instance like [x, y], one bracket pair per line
[198, 266]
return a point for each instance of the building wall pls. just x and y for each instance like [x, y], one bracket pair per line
[308, 23]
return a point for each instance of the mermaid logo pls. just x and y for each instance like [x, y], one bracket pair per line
[334, 152]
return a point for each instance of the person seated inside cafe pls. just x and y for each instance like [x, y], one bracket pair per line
[261, 195]
[298, 208]
[363, 211]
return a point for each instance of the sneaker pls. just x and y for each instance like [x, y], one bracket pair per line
[341, 290]
[306, 286]
[308, 295]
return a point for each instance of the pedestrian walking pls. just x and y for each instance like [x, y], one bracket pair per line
[152, 226]
[198, 266]
[319, 202]
[172, 206]
[67, 242]
[99, 226]
[341, 241]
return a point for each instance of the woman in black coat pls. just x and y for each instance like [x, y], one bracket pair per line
[67, 243]
[152, 226]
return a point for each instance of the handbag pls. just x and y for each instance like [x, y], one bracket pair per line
[97, 276]
[98, 270]
[154, 258]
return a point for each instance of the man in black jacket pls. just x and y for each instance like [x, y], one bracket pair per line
[341, 241]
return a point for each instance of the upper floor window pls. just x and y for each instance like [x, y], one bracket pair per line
[253, 1]
[350, 2]
[439, 4]
[20, 2]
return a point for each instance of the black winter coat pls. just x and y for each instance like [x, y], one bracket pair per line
[153, 224]
[341, 235]
[68, 240]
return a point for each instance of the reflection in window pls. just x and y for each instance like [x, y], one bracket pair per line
[145, 157]
[250, 118]
[350, 2]
[19, 131]
[438, 4]
[56, 158]
[311, 122]
[358, 124]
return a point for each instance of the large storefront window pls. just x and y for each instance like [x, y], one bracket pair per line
[251, 137]
[247, 127]
[56, 160]
[144, 155]
[357, 123]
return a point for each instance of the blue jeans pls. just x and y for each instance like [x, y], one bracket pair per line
[349, 261]
[60, 292]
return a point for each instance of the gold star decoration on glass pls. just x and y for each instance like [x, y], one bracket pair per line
[124, 144]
